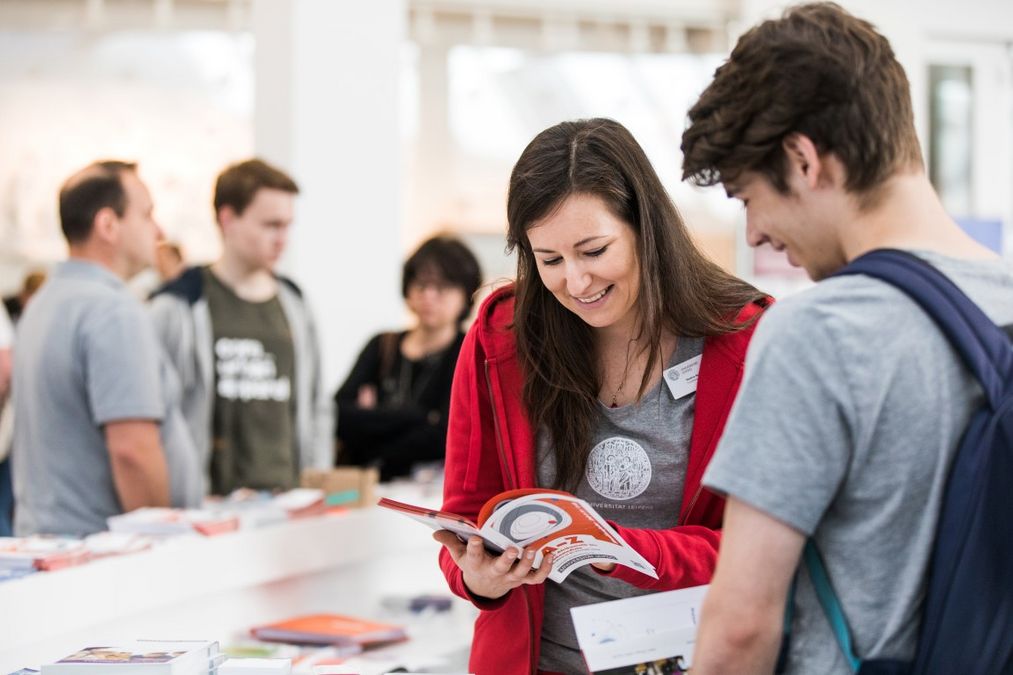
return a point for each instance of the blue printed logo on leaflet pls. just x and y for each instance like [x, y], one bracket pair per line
[247, 372]
[619, 469]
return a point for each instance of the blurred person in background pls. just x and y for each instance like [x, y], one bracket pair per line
[169, 261]
[6, 341]
[15, 304]
[98, 430]
[392, 410]
[244, 342]
[6, 495]
[169, 264]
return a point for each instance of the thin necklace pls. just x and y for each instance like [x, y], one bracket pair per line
[626, 371]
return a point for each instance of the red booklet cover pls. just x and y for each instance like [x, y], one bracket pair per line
[327, 629]
[545, 521]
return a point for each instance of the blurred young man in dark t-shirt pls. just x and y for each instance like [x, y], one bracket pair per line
[245, 343]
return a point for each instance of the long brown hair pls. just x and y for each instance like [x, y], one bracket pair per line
[681, 291]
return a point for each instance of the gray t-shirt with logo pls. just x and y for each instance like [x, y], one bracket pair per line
[87, 355]
[635, 476]
[850, 410]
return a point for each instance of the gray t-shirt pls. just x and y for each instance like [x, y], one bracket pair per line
[850, 410]
[635, 477]
[87, 355]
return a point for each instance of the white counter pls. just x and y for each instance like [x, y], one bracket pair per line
[218, 587]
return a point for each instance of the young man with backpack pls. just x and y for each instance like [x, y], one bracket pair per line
[854, 401]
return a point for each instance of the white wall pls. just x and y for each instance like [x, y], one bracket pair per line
[179, 103]
[327, 111]
[976, 33]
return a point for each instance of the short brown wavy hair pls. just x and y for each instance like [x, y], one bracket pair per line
[818, 71]
[238, 184]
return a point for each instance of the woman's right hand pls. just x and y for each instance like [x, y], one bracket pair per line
[493, 576]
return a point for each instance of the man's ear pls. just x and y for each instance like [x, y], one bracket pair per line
[804, 162]
[225, 216]
[106, 226]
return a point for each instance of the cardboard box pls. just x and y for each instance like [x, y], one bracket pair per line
[343, 479]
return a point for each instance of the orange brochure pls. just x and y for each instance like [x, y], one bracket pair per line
[548, 521]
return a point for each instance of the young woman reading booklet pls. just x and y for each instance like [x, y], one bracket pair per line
[608, 370]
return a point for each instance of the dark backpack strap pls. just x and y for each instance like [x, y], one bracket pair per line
[984, 347]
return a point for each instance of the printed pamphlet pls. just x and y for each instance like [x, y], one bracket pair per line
[331, 629]
[156, 521]
[41, 552]
[646, 635]
[549, 521]
[151, 657]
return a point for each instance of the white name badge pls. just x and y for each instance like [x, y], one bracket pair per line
[681, 378]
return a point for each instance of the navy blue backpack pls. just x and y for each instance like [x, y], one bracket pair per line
[967, 624]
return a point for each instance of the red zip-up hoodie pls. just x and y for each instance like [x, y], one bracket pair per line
[491, 448]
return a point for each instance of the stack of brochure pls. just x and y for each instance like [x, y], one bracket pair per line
[165, 521]
[10, 575]
[331, 629]
[41, 553]
[108, 544]
[256, 667]
[257, 509]
[304, 658]
[243, 509]
[20, 556]
[142, 657]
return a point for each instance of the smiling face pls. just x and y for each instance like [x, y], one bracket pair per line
[587, 258]
[801, 223]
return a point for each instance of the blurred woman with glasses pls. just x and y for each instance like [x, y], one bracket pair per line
[392, 409]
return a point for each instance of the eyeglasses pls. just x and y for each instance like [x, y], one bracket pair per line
[440, 286]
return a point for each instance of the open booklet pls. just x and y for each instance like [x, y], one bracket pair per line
[548, 521]
[645, 635]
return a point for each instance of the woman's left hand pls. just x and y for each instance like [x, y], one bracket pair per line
[490, 575]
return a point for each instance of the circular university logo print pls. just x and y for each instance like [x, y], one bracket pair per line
[618, 469]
